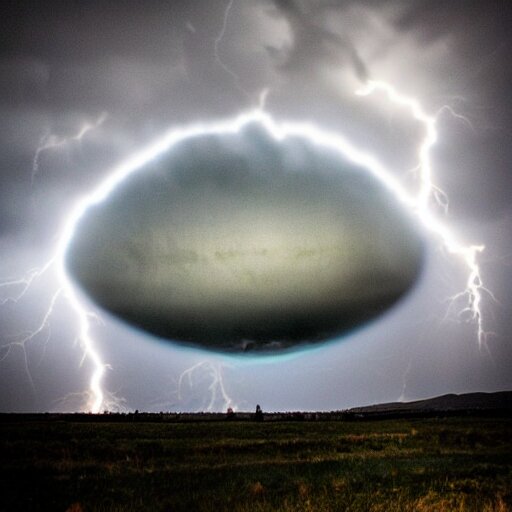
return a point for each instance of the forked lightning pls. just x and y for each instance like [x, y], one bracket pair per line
[420, 203]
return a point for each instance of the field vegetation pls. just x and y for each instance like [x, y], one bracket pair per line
[450, 464]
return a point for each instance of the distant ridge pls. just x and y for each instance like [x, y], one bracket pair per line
[451, 403]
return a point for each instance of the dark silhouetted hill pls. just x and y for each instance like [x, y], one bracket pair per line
[468, 403]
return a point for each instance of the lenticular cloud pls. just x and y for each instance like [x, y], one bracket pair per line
[239, 242]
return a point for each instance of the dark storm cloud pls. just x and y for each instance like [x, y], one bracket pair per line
[482, 23]
[88, 55]
[237, 242]
[60, 32]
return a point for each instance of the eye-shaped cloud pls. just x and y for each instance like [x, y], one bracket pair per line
[239, 242]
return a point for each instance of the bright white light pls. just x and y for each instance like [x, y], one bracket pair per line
[428, 192]
[419, 204]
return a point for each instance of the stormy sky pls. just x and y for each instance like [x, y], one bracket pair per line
[84, 86]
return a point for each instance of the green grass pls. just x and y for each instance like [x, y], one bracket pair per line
[414, 465]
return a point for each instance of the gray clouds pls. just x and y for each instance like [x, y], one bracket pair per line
[64, 63]
[313, 42]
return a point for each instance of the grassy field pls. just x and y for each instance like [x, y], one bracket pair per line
[452, 464]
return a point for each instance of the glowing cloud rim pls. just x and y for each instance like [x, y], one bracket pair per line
[418, 204]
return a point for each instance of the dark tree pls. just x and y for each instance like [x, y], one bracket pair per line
[259, 414]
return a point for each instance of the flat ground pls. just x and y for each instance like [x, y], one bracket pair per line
[415, 465]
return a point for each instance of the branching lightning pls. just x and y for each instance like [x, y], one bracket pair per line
[216, 387]
[51, 141]
[428, 192]
[14, 290]
[419, 202]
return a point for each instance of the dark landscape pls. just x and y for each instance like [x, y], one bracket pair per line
[443, 454]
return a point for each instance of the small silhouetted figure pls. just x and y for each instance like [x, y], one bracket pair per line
[259, 414]
[230, 413]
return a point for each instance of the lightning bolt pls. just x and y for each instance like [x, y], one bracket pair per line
[15, 289]
[52, 141]
[420, 203]
[216, 53]
[24, 339]
[216, 388]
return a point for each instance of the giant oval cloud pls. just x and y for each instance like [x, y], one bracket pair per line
[238, 242]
